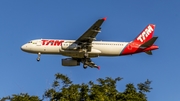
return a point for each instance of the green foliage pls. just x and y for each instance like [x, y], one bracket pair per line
[145, 87]
[21, 97]
[105, 90]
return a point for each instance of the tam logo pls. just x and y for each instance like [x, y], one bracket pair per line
[145, 34]
[52, 42]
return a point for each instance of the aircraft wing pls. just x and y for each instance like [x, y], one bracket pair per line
[91, 64]
[91, 33]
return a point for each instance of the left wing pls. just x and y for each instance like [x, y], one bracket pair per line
[91, 33]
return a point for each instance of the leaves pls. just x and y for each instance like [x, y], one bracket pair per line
[105, 90]
[145, 87]
[65, 80]
[21, 97]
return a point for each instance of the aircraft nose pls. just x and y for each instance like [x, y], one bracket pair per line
[23, 47]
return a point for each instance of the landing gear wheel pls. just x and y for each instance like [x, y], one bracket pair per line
[84, 66]
[38, 58]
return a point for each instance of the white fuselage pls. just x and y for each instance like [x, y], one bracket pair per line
[67, 48]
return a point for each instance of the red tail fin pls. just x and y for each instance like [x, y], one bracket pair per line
[145, 35]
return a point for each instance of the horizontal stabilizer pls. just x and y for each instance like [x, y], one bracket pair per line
[149, 43]
[148, 52]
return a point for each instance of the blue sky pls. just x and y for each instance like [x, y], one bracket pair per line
[24, 20]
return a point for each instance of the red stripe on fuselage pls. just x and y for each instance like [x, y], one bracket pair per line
[133, 48]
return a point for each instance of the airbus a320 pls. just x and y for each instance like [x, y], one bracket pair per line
[86, 47]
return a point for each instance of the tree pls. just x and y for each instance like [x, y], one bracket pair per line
[21, 97]
[63, 89]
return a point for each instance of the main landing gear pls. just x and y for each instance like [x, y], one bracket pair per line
[38, 58]
[85, 60]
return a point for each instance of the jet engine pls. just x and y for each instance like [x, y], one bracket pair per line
[70, 62]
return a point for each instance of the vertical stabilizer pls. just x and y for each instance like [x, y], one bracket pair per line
[145, 35]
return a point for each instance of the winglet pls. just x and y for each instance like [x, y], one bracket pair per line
[98, 67]
[104, 18]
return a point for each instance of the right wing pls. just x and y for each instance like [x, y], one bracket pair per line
[87, 62]
[91, 64]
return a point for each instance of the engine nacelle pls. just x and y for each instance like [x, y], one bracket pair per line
[70, 62]
[70, 46]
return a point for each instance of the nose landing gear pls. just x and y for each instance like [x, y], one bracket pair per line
[38, 58]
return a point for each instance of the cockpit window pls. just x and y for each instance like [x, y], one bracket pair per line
[33, 42]
[30, 42]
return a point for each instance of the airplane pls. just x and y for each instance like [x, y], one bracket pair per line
[86, 47]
